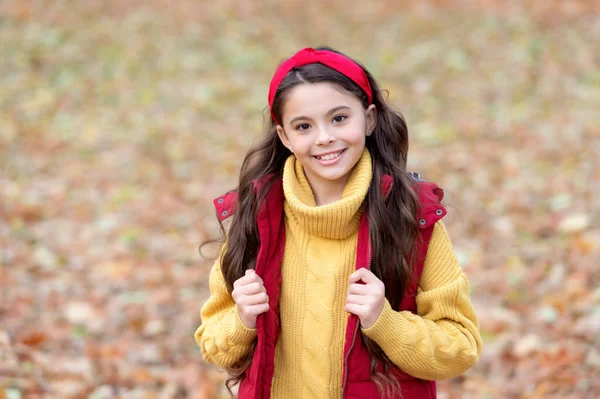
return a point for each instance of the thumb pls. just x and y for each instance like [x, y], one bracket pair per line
[362, 274]
[250, 272]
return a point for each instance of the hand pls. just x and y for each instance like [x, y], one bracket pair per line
[365, 300]
[250, 297]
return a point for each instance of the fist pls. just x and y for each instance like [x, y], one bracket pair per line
[250, 297]
[365, 300]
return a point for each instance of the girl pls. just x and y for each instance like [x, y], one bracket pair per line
[337, 278]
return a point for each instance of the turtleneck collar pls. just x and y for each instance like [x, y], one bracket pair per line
[336, 220]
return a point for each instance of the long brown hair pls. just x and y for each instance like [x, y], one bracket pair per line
[392, 220]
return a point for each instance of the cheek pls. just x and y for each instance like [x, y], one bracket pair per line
[356, 131]
[301, 144]
[356, 136]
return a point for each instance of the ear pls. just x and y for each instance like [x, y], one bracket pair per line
[371, 118]
[283, 137]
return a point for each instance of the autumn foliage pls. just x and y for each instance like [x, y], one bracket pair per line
[121, 120]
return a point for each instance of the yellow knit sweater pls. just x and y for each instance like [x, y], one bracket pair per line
[440, 342]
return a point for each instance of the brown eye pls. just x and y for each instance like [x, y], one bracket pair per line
[339, 118]
[303, 126]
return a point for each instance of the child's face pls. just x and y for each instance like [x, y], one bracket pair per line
[325, 128]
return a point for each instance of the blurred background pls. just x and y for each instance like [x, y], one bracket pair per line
[121, 120]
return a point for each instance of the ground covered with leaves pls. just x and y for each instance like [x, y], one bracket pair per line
[121, 120]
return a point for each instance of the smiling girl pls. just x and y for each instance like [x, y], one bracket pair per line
[336, 278]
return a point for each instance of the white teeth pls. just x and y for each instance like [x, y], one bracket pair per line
[329, 157]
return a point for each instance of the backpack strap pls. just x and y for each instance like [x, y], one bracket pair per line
[430, 199]
[431, 211]
[226, 205]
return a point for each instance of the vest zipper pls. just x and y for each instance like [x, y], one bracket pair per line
[385, 197]
[355, 332]
[346, 360]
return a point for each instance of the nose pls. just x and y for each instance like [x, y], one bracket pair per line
[324, 137]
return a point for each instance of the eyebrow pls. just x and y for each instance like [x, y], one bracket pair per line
[331, 111]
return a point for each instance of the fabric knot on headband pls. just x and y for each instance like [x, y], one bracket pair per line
[338, 62]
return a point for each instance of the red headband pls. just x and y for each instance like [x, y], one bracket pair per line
[333, 60]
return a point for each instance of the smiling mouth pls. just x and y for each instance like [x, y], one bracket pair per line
[330, 157]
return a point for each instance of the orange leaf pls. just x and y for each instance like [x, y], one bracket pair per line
[142, 376]
[34, 338]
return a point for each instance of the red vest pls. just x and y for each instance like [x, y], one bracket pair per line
[356, 378]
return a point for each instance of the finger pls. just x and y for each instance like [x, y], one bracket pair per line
[358, 289]
[357, 299]
[252, 277]
[254, 288]
[249, 272]
[255, 310]
[250, 289]
[355, 309]
[255, 299]
[237, 282]
[360, 274]
[245, 279]
[248, 279]
[365, 275]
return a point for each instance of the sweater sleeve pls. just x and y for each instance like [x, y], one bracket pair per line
[222, 336]
[442, 340]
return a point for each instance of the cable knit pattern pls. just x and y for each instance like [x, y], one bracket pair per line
[319, 256]
[222, 337]
[442, 340]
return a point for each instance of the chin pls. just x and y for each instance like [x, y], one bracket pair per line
[333, 175]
